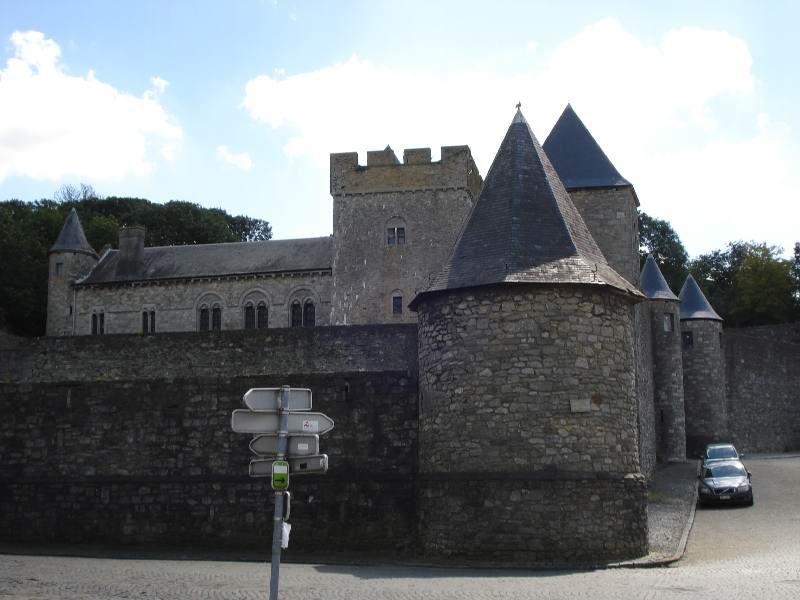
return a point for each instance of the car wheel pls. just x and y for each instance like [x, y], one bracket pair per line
[750, 501]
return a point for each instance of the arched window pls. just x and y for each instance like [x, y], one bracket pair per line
[148, 321]
[204, 318]
[297, 314]
[308, 314]
[262, 315]
[216, 318]
[249, 316]
[98, 322]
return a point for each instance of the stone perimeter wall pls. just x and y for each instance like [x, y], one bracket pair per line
[127, 438]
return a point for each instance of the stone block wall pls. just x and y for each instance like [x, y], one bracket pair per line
[127, 439]
[643, 357]
[763, 387]
[533, 386]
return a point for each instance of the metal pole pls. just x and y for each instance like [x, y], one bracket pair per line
[277, 517]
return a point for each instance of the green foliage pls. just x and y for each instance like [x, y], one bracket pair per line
[658, 238]
[748, 283]
[29, 229]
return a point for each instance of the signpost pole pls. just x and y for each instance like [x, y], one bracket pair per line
[277, 518]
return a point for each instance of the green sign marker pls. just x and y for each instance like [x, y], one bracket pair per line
[280, 475]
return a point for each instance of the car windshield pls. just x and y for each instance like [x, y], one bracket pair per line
[719, 471]
[722, 452]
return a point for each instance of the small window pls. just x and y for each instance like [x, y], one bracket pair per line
[152, 321]
[145, 322]
[397, 305]
[297, 314]
[216, 318]
[59, 269]
[720, 339]
[98, 323]
[309, 314]
[249, 316]
[395, 236]
[391, 236]
[261, 315]
[204, 320]
[687, 340]
[401, 236]
[669, 322]
[94, 324]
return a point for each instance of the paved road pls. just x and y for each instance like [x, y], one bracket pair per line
[732, 553]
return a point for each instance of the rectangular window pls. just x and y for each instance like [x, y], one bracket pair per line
[152, 321]
[401, 236]
[669, 322]
[687, 340]
[216, 318]
[249, 317]
[94, 324]
[390, 236]
[102, 323]
[204, 319]
[145, 321]
[59, 269]
[397, 305]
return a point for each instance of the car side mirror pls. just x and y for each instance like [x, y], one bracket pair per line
[749, 474]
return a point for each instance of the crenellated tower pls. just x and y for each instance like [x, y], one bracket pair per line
[70, 258]
[703, 370]
[394, 225]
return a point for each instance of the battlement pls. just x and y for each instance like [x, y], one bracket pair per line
[385, 173]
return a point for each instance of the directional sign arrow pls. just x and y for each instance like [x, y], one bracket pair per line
[309, 465]
[298, 445]
[249, 421]
[269, 399]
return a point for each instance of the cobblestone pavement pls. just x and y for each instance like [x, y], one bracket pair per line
[732, 552]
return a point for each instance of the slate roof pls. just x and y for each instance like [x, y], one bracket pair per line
[577, 157]
[214, 260]
[653, 283]
[72, 238]
[524, 228]
[694, 304]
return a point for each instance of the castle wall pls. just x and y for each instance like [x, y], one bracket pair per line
[643, 360]
[428, 200]
[527, 398]
[763, 379]
[127, 438]
[704, 384]
[64, 269]
[176, 304]
[669, 417]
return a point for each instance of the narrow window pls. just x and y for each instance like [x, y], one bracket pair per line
[401, 236]
[309, 314]
[297, 314]
[249, 316]
[687, 340]
[102, 327]
[669, 322]
[94, 324]
[70, 310]
[59, 269]
[261, 316]
[145, 319]
[390, 236]
[216, 318]
[720, 339]
[204, 319]
[152, 321]
[397, 305]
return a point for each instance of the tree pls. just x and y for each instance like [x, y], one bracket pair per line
[659, 239]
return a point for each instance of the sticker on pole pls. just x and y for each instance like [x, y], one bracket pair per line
[310, 426]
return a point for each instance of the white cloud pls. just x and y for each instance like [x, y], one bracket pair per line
[237, 159]
[55, 125]
[655, 108]
[159, 84]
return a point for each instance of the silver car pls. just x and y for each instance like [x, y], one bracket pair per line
[714, 452]
[725, 482]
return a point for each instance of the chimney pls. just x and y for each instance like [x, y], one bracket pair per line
[131, 251]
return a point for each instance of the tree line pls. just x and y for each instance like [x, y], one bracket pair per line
[29, 229]
[747, 283]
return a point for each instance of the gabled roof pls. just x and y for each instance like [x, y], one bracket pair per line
[72, 238]
[694, 304]
[653, 283]
[524, 228]
[215, 260]
[577, 157]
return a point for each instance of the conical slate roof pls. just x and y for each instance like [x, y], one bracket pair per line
[577, 157]
[524, 228]
[694, 304]
[72, 238]
[652, 282]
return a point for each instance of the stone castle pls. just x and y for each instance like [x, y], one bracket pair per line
[490, 350]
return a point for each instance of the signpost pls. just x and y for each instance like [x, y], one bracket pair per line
[286, 443]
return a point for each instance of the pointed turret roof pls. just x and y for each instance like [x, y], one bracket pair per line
[72, 238]
[652, 282]
[694, 304]
[577, 157]
[524, 227]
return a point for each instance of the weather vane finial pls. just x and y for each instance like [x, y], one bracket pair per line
[519, 105]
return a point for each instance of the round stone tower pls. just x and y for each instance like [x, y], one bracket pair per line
[71, 258]
[703, 370]
[528, 420]
[670, 418]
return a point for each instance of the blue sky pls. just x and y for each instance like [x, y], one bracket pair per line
[238, 104]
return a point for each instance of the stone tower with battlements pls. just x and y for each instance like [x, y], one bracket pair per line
[703, 370]
[394, 225]
[70, 258]
[608, 204]
[528, 448]
[670, 417]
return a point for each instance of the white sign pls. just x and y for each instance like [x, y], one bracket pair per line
[308, 465]
[269, 399]
[296, 445]
[259, 421]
